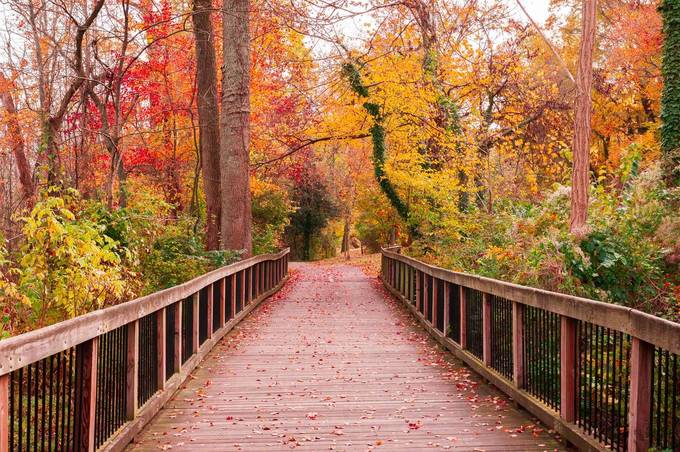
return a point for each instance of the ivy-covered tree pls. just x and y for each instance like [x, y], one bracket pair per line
[670, 96]
[377, 131]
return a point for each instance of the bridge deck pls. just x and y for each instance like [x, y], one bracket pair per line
[333, 363]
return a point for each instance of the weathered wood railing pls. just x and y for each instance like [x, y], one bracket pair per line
[92, 383]
[603, 376]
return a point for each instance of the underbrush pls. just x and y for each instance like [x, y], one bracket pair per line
[630, 254]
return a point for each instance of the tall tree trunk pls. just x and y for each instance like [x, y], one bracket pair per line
[235, 128]
[670, 97]
[17, 140]
[208, 119]
[582, 126]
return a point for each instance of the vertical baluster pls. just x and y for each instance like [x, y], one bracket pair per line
[639, 414]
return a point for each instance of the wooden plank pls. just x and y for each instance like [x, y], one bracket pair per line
[518, 344]
[86, 355]
[4, 413]
[655, 330]
[161, 332]
[463, 318]
[131, 380]
[568, 369]
[209, 314]
[379, 392]
[24, 349]
[487, 350]
[130, 430]
[639, 412]
[569, 431]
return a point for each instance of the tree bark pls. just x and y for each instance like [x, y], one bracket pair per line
[235, 128]
[208, 119]
[582, 120]
[17, 140]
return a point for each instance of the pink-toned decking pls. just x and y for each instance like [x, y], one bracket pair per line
[334, 363]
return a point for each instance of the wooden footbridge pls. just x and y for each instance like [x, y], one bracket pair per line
[250, 358]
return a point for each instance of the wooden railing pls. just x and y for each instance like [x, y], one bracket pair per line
[604, 376]
[92, 383]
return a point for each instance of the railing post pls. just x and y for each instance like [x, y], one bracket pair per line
[86, 355]
[486, 329]
[131, 376]
[418, 290]
[243, 289]
[223, 301]
[568, 368]
[233, 295]
[195, 328]
[177, 337]
[463, 318]
[517, 344]
[639, 413]
[447, 290]
[435, 301]
[209, 314]
[258, 269]
[426, 293]
[162, 352]
[4, 413]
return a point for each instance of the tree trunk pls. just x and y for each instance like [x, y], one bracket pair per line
[582, 114]
[235, 128]
[345, 238]
[17, 140]
[208, 119]
[670, 96]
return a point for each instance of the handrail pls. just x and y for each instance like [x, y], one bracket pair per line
[92, 382]
[602, 375]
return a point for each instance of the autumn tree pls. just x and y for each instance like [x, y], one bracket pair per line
[235, 127]
[580, 180]
[208, 118]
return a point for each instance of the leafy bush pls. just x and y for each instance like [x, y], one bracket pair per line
[270, 210]
[177, 257]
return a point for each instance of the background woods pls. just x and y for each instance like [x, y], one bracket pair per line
[143, 143]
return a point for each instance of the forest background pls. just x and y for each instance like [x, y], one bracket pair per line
[444, 126]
